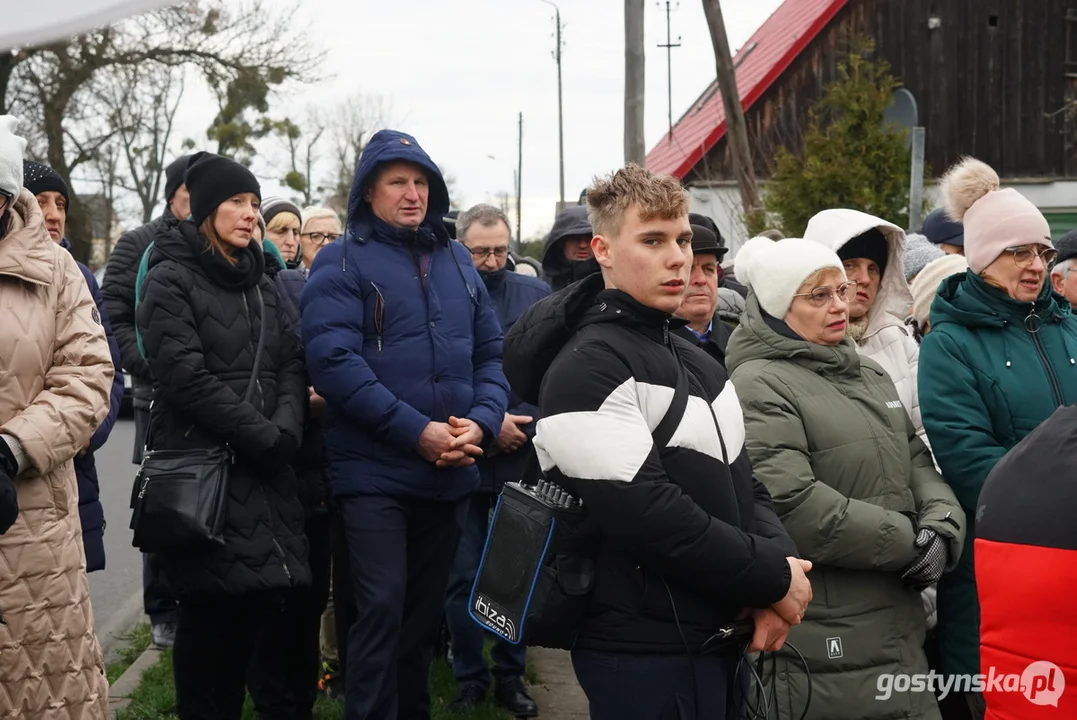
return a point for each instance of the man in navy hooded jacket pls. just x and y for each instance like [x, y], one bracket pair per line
[405, 346]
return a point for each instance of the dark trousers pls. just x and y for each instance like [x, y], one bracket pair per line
[660, 687]
[343, 593]
[283, 675]
[468, 661]
[215, 640]
[156, 601]
[400, 552]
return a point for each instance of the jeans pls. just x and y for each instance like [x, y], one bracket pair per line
[400, 551]
[468, 661]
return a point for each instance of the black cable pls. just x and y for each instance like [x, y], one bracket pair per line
[807, 671]
[687, 650]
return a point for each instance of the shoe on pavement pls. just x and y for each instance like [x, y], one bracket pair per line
[163, 635]
[468, 697]
[513, 697]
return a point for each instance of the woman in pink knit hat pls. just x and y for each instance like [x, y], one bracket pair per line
[1001, 357]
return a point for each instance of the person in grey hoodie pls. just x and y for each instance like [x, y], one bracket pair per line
[567, 256]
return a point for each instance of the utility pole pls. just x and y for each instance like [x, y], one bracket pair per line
[519, 182]
[635, 150]
[736, 127]
[560, 109]
[669, 65]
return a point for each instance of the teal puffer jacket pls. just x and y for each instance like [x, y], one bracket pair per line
[991, 370]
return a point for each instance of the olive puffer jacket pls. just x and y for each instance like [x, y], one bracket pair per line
[829, 437]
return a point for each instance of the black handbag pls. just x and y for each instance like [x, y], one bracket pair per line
[180, 497]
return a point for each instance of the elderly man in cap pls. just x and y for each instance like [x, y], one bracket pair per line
[1063, 277]
[118, 291]
[943, 232]
[705, 326]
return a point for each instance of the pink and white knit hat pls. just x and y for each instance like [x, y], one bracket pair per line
[994, 219]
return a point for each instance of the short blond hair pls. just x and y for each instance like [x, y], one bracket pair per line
[319, 212]
[655, 197]
[281, 221]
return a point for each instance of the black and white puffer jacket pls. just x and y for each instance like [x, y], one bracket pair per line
[198, 317]
[689, 516]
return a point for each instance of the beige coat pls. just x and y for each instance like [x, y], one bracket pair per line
[55, 377]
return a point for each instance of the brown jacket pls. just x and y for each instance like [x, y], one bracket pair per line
[55, 376]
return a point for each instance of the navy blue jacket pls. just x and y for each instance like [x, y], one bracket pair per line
[91, 513]
[399, 332]
[512, 295]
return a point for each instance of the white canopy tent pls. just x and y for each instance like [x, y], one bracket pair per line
[27, 23]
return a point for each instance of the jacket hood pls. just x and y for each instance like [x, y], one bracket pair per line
[757, 339]
[536, 338]
[966, 299]
[26, 249]
[391, 146]
[835, 228]
[571, 221]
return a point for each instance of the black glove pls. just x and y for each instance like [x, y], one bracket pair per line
[9, 500]
[8, 464]
[282, 453]
[929, 566]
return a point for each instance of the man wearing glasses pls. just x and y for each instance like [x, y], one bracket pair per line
[484, 231]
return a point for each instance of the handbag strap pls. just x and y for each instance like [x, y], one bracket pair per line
[668, 425]
[259, 349]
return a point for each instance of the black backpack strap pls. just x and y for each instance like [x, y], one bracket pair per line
[675, 412]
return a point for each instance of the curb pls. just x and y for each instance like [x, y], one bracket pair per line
[119, 625]
[119, 693]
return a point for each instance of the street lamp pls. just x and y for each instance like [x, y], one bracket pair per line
[560, 113]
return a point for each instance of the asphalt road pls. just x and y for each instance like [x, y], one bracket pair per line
[116, 591]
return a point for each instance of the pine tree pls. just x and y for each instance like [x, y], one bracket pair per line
[850, 158]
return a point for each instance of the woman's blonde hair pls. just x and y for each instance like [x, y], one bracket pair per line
[281, 221]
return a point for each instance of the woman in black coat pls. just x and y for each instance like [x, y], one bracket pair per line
[199, 321]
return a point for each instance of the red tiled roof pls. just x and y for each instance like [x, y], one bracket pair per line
[760, 62]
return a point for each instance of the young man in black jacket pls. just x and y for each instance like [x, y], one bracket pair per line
[689, 540]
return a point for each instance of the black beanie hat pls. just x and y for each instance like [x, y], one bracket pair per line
[174, 176]
[212, 179]
[871, 245]
[38, 178]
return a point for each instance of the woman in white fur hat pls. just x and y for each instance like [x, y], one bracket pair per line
[853, 484]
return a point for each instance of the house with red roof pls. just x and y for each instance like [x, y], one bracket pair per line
[996, 79]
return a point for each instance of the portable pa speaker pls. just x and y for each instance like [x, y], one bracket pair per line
[537, 568]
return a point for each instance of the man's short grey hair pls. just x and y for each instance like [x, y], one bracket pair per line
[1063, 268]
[483, 214]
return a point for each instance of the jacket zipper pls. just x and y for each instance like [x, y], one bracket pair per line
[280, 550]
[1043, 358]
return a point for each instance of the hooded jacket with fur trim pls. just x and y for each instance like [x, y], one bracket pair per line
[887, 340]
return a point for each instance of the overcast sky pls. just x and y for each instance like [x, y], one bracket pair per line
[457, 73]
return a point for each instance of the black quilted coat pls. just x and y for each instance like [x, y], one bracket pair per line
[198, 317]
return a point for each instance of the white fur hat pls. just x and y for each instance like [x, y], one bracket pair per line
[775, 269]
[11, 155]
[927, 281]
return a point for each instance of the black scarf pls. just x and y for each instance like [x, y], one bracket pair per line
[243, 275]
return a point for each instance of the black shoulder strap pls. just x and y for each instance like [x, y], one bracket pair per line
[259, 350]
[668, 425]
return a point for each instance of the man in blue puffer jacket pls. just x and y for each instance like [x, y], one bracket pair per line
[53, 197]
[404, 344]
